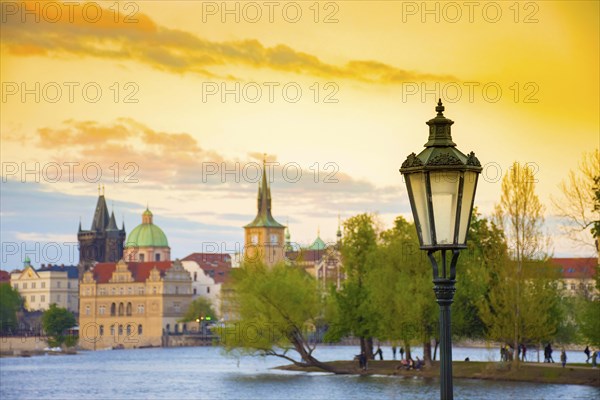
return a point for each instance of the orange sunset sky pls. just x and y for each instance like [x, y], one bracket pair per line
[338, 93]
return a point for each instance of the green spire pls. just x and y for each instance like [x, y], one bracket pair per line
[264, 217]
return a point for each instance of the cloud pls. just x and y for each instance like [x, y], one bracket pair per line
[175, 162]
[173, 50]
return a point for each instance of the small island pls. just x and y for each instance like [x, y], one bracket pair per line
[575, 374]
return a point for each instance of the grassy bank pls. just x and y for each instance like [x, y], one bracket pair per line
[576, 374]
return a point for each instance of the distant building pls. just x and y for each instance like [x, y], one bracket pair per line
[147, 242]
[104, 241]
[263, 237]
[132, 304]
[49, 284]
[321, 260]
[578, 275]
[208, 271]
[4, 276]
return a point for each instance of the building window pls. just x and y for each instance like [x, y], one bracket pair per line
[208, 289]
[121, 291]
[33, 285]
[24, 285]
[101, 330]
[154, 290]
[128, 330]
[43, 285]
[254, 239]
[274, 239]
[140, 308]
[113, 309]
[129, 290]
[121, 308]
[141, 258]
[68, 285]
[112, 330]
[16, 286]
[194, 290]
[102, 292]
[58, 297]
[573, 286]
[140, 329]
[128, 308]
[120, 330]
[113, 291]
[42, 298]
[87, 291]
[33, 298]
[176, 289]
[87, 310]
[101, 310]
[58, 284]
[157, 257]
[195, 276]
[176, 306]
[141, 290]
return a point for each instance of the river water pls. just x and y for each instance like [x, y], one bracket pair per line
[206, 373]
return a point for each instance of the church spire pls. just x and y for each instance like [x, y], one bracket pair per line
[263, 216]
[101, 216]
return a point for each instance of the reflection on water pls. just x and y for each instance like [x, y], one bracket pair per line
[205, 373]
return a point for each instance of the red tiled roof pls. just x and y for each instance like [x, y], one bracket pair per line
[139, 270]
[4, 276]
[215, 265]
[576, 268]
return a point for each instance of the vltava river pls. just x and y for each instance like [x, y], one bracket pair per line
[205, 373]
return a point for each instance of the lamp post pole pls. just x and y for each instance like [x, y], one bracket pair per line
[441, 183]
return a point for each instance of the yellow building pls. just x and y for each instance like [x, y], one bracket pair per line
[132, 304]
[263, 237]
[51, 284]
[578, 275]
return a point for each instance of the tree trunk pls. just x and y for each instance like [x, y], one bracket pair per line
[407, 354]
[369, 348]
[427, 353]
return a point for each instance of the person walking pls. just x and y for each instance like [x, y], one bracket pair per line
[378, 352]
[595, 359]
[587, 354]
[563, 357]
[523, 352]
[394, 351]
[550, 359]
[401, 352]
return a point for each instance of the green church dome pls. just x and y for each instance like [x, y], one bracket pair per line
[146, 234]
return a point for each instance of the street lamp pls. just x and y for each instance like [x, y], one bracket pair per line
[441, 183]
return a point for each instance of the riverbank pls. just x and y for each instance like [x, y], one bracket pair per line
[575, 374]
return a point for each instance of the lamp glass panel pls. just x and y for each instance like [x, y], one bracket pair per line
[421, 211]
[469, 186]
[444, 196]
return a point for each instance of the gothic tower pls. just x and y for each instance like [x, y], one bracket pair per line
[264, 237]
[104, 241]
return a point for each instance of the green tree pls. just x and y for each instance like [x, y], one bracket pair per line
[277, 310]
[486, 245]
[55, 321]
[523, 291]
[10, 303]
[355, 313]
[400, 289]
[198, 309]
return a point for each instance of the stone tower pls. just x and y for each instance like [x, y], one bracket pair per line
[264, 237]
[104, 241]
